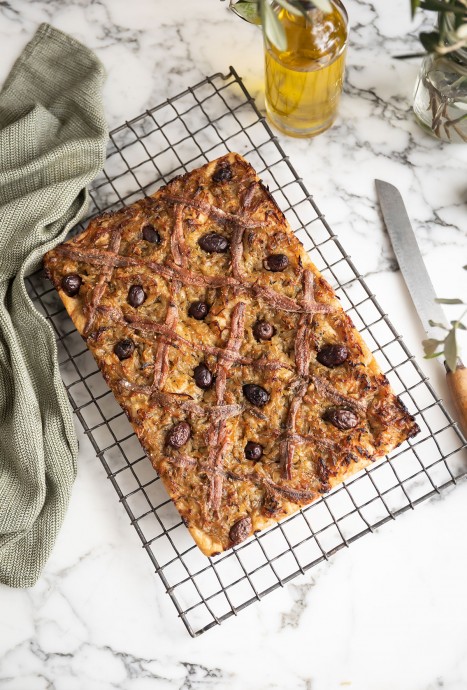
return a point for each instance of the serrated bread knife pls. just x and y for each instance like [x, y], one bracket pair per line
[419, 285]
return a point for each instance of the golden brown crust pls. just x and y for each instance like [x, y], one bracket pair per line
[223, 496]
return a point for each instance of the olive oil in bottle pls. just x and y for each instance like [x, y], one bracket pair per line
[304, 82]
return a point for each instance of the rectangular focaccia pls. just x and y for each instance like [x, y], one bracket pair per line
[247, 385]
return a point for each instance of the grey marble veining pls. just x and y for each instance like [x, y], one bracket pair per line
[390, 612]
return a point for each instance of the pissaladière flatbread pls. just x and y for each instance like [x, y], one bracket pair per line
[248, 386]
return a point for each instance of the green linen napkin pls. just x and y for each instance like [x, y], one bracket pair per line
[53, 137]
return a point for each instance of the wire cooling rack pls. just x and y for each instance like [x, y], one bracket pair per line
[205, 121]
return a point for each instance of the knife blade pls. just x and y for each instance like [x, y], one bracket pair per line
[418, 282]
[408, 256]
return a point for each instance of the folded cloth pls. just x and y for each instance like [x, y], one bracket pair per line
[53, 137]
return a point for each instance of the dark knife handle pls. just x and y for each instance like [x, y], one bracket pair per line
[457, 384]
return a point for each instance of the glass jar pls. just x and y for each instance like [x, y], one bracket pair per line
[303, 84]
[440, 96]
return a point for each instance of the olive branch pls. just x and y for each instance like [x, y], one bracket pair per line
[448, 346]
[449, 36]
[446, 38]
[260, 12]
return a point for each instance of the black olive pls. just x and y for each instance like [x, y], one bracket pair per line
[253, 451]
[332, 355]
[71, 284]
[240, 530]
[150, 234]
[213, 243]
[341, 417]
[178, 435]
[223, 173]
[255, 394]
[198, 310]
[203, 377]
[262, 330]
[136, 296]
[124, 348]
[276, 262]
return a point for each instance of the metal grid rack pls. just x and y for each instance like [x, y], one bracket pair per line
[205, 121]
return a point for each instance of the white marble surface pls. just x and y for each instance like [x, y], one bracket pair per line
[391, 611]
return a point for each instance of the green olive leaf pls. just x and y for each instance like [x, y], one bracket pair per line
[435, 354]
[441, 6]
[437, 324]
[413, 6]
[430, 40]
[247, 10]
[430, 346]
[442, 300]
[272, 27]
[450, 349]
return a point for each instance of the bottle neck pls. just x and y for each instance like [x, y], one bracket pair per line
[337, 5]
[317, 38]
